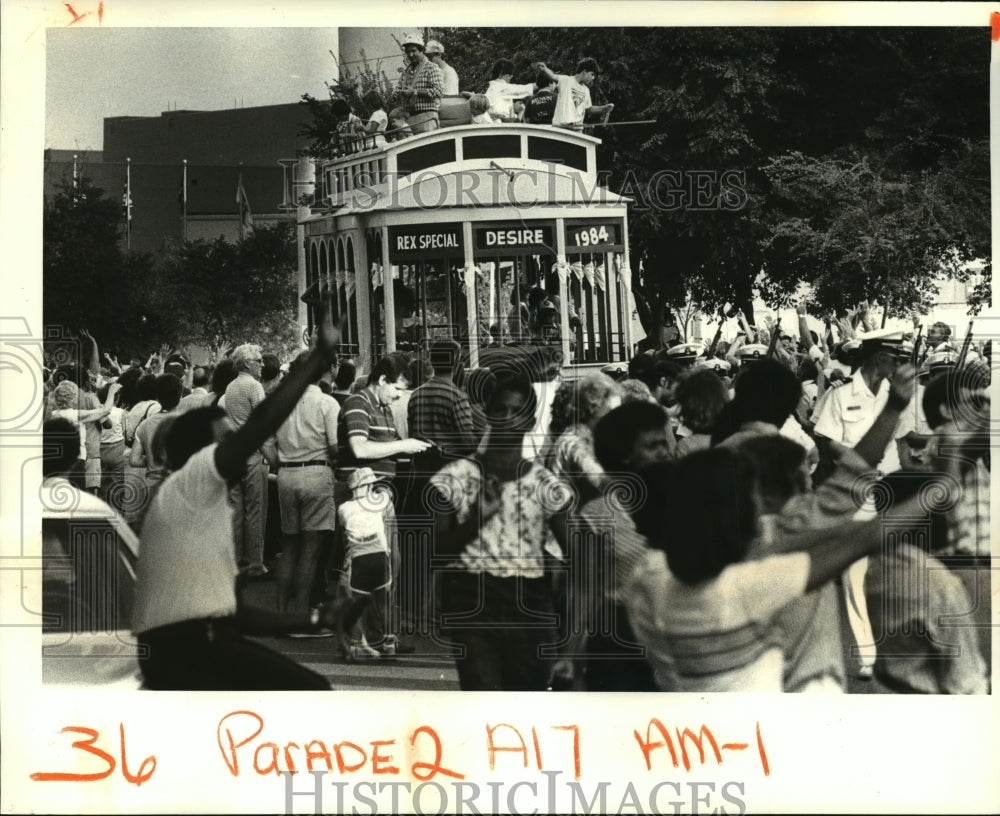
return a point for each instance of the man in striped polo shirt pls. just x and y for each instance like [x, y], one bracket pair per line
[366, 433]
[367, 437]
[439, 412]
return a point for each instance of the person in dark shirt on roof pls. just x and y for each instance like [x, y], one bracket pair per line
[540, 108]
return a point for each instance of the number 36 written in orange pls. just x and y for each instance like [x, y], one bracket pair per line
[146, 768]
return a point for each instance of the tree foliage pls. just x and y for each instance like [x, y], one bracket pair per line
[89, 281]
[209, 293]
[352, 85]
[855, 157]
[224, 294]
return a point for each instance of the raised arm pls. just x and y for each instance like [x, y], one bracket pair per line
[93, 356]
[872, 445]
[94, 414]
[833, 548]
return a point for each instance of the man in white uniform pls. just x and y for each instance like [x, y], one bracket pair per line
[842, 416]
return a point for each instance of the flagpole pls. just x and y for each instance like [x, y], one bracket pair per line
[128, 203]
[240, 195]
[184, 203]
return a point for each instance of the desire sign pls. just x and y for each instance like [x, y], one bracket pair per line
[521, 236]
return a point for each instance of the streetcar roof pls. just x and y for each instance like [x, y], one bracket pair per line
[459, 131]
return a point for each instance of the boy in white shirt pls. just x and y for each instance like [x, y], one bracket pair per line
[364, 525]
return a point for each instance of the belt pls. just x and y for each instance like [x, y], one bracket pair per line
[312, 463]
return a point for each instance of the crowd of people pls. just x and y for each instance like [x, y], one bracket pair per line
[414, 105]
[710, 519]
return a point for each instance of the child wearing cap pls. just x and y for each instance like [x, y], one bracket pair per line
[364, 523]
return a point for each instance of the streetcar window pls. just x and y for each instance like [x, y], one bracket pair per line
[553, 150]
[419, 158]
[597, 310]
[430, 303]
[517, 300]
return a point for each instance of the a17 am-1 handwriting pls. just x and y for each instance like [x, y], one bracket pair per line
[239, 739]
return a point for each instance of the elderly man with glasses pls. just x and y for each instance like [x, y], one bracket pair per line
[250, 494]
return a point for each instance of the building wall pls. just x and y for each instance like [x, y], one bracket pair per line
[251, 136]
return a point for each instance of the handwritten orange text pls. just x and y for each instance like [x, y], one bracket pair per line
[78, 17]
[108, 763]
[501, 738]
[237, 737]
[685, 737]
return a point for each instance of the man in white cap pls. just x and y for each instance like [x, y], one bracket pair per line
[842, 416]
[420, 86]
[435, 53]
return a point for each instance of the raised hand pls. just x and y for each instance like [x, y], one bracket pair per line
[902, 385]
[328, 336]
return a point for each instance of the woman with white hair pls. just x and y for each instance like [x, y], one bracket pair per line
[65, 401]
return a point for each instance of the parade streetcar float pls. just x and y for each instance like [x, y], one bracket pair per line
[499, 236]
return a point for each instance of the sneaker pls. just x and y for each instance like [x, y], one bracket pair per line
[359, 652]
[389, 646]
[865, 673]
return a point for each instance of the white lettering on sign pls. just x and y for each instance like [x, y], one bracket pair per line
[514, 237]
[439, 241]
[446, 240]
[591, 237]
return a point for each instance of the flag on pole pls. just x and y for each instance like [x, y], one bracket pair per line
[127, 203]
[246, 217]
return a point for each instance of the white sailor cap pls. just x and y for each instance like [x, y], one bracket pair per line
[940, 359]
[685, 352]
[715, 364]
[881, 337]
[752, 351]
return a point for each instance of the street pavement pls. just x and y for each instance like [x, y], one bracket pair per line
[428, 668]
